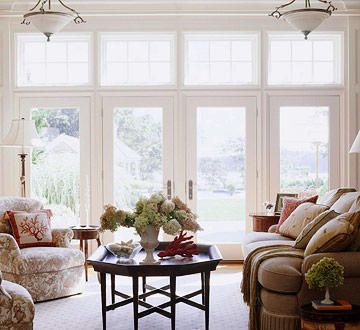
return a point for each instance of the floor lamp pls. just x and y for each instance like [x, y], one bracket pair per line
[22, 134]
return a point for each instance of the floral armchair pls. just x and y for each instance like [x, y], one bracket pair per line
[46, 272]
[16, 307]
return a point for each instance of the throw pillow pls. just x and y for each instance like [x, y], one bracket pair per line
[355, 207]
[332, 196]
[289, 205]
[345, 202]
[335, 236]
[311, 228]
[31, 229]
[299, 218]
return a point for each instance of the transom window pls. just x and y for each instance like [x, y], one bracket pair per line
[130, 59]
[295, 61]
[62, 62]
[221, 59]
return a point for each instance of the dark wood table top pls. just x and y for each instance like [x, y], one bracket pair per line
[310, 313]
[208, 259]
[264, 214]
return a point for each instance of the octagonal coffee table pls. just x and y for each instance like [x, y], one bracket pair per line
[105, 263]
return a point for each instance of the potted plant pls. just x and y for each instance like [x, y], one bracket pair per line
[325, 274]
[151, 214]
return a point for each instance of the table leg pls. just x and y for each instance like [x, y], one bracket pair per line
[81, 245]
[173, 301]
[98, 241]
[112, 289]
[103, 298]
[86, 257]
[207, 299]
[144, 286]
[136, 301]
[203, 288]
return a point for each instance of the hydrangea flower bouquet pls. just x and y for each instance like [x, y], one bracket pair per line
[149, 216]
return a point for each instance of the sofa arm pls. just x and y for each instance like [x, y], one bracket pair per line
[272, 229]
[350, 261]
[10, 254]
[62, 237]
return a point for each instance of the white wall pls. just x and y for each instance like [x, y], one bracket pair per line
[350, 93]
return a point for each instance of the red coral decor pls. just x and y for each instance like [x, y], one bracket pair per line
[182, 245]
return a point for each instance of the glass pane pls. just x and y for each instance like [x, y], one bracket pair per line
[241, 51]
[55, 169]
[138, 154]
[138, 51]
[220, 51]
[221, 173]
[304, 149]
[78, 51]
[56, 51]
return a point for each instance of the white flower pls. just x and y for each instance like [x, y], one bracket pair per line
[172, 227]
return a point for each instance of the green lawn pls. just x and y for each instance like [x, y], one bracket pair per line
[221, 210]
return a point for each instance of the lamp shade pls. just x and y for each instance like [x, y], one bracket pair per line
[306, 20]
[355, 148]
[49, 22]
[22, 134]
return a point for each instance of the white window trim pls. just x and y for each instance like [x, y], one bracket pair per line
[129, 36]
[279, 34]
[87, 36]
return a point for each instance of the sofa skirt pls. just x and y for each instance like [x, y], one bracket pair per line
[271, 321]
[50, 285]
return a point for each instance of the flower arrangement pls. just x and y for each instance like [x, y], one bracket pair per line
[327, 273]
[172, 216]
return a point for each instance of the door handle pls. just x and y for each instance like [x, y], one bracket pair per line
[191, 187]
[168, 189]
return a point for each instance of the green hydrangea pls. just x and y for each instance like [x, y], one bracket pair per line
[327, 273]
[172, 227]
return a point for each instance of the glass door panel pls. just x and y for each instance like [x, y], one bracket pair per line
[60, 165]
[221, 168]
[138, 151]
[304, 149]
[304, 144]
[221, 173]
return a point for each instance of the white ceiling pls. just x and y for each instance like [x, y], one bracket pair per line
[241, 7]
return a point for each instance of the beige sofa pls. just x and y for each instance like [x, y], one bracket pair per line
[281, 279]
[46, 272]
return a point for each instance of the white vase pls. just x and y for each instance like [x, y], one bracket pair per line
[149, 241]
[327, 300]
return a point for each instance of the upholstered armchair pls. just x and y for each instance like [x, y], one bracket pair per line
[46, 272]
[16, 307]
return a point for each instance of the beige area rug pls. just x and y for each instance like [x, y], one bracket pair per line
[227, 310]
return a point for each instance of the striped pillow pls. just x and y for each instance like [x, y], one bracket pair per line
[311, 228]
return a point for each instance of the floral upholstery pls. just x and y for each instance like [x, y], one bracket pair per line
[16, 307]
[46, 272]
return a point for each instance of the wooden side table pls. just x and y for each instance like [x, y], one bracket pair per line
[263, 221]
[84, 234]
[311, 319]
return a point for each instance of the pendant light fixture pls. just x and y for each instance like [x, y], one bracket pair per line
[48, 21]
[305, 19]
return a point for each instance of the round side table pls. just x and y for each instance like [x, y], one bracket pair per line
[312, 319]
[263, 221]
[84, 234]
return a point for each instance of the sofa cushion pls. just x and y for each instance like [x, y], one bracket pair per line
[332, 196]
[336, 235]
[261, 237]
[48, 259]
[299, 218]
[16, 204]
[247, 249]
[289, 205]
[311, 228]
[281, 274]
[345, 202]
[355, 207]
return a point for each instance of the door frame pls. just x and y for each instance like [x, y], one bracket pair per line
[275, 103]
[83, 103]
[230, 251]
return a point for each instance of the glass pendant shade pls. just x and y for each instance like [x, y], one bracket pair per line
[22, 133]
[49, 22]
[306, 20]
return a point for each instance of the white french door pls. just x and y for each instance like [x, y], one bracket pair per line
[221, 168]
[59, 166]
[138, 147]
[304, 144]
